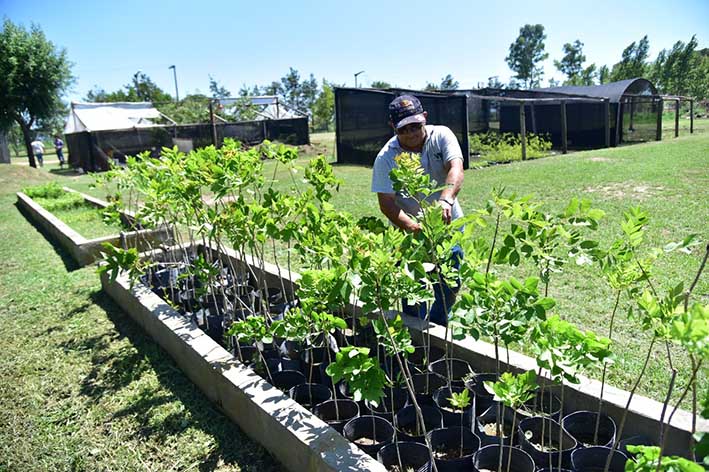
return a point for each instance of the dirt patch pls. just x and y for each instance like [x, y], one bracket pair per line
[599, 159]
[626, 190]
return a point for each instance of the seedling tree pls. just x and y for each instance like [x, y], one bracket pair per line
[461, 401]
[513, 391]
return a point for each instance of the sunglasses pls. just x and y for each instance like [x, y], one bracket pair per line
[408, 129]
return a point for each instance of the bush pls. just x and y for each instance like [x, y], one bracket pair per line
[507, 147]
[48, 190]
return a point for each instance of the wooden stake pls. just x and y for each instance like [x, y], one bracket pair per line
[691, 116]
[676, 117]
[607, 122]
[660, 107]
[523, 131]
[564, 131]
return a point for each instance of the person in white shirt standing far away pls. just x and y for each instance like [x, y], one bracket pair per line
[38, 151]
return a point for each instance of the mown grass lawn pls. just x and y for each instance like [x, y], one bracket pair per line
[82, 388]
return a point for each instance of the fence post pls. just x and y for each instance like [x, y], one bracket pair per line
[534, 119]
[691, 116]
[660, 108]
[564, 131]
[214, 124]
[607, 121]
[676, 117]
[523, 131]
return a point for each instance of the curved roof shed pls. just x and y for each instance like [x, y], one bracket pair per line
[614, 91]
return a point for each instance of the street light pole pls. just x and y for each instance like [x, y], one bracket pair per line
[174, 74]
[360, 72]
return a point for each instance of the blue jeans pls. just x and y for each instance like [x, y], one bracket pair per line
[444, 297]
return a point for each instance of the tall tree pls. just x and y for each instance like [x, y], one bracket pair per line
[140, 89]
[494, 82]
[526, 53]
[449, 83]
[604, 75]
[34, 74]
[217, 90]
[324, 108]
[572, 62]
[675, 70]
[633, 61]
[380, 84]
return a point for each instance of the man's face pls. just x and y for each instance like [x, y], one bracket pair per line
[412, 135]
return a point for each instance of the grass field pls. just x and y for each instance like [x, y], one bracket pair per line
[82, 388]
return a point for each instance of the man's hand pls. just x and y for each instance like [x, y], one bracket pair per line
[446, 210]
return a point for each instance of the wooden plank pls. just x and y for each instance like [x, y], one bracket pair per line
[677, 118]
[607, 121]
[523, 131]
[564, 130]
[691, 116]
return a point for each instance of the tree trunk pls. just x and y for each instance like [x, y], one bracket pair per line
[28, 140]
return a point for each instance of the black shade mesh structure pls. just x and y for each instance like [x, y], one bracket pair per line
[362, 121]
[92, 151]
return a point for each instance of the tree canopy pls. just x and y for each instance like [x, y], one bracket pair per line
[34, 74]
[572, 65]
[633, 61]
[526, 53]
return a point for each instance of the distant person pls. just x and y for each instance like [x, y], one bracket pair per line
[38, 151]
[59, 147]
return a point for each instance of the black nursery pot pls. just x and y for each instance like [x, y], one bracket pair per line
[487, 458]
[457, 368]
[639, 440]
[215, 328]
[412, 454]
[546, 404]
[483, 398]
[487, 432]
[326, 411]
[310, 394]
[582, 424]
[287, 379]
[421, 360]
[405, 422]
[369, 433]
[396, 396]
[446, 440]
[283, 363]
[593, 459]
[245, 352]
[451, 416]
[550, 428]
[425, 385]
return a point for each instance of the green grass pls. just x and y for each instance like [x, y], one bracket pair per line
[82, 388]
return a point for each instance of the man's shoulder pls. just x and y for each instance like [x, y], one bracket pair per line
[389, 150]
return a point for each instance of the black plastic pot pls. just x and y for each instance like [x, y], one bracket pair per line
[384, 408]
[639, 440]
[369, 433]
[283, 363]
[488, 457]
[412, 455]
[489, 418]
[449, 440]
[287, 379]
[310, 394]
[425, 385]
[421, 361]
[457, 368]
[215, 327]
[245, 352]
[405, 422]
[326, 411]
[483, 398]
[581, 425]
[530, 437]
[547, 405]
[593, 459]
[451, 416]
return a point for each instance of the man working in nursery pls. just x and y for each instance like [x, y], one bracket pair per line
[442, 159]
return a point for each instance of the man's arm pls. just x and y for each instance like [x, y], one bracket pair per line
[454, 180]
[388, 206]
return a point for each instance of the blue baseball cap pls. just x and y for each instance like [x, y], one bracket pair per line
[404, 110]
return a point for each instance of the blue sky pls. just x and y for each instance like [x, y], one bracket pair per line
[404, 43]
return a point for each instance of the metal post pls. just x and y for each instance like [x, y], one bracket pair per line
[676, 117]
[607, 121]
[564, 131]
[360, 72]
[523, 131]
[534, 119]
[691, 116]
[660, 107]
[174, 74]
[214, 124]
[618, 122]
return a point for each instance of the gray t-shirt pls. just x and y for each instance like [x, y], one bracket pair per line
[440, 147]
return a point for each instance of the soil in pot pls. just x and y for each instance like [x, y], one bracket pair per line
[410, 429]
[539, 437]
[458, 369]
[337, 417]
[370, 433]
[487, 424]
[310, 394]
[581, 425]
[487, 459]
[593, 459]
[451, 415]
[447, 451]
[414, 457]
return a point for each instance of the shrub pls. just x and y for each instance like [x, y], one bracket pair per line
[48, 190]
[507, 147]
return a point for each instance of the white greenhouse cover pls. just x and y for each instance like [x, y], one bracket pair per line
[105, 116]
